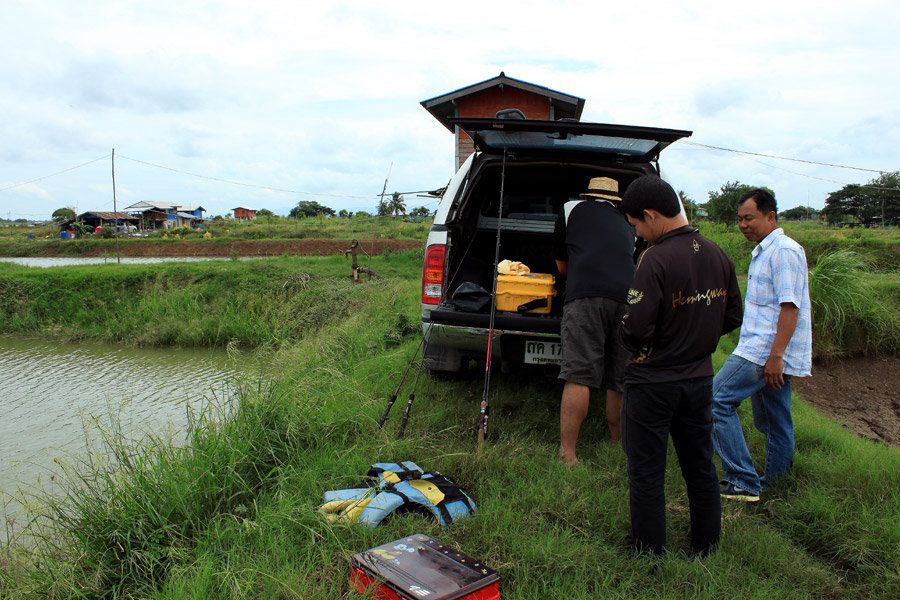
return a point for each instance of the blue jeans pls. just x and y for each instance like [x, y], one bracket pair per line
[736, 380]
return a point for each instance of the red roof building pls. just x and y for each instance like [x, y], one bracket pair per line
[485, 99]
[242, 213]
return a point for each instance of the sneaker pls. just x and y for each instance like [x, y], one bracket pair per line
[733, 492]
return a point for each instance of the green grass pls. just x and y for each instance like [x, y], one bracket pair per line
[322, 228]
[255, 303]
[232, 513]
[849, 315]
[853, 277]
[14, 241]
[880, 247]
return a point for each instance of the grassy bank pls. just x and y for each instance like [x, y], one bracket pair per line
[853, 277]
[256, 303]
[232, 514]
[856, 302]
[880, 247]
[46, 240]
[321, 228]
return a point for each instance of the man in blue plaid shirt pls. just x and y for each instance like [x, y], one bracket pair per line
[775, 344]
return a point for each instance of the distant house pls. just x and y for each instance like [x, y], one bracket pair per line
[153, 215]
[165, 215]
[197, 211]
[95, 220]
[242, 213]
[189, 216]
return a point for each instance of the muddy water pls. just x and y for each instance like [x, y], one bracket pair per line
[65, 261]
[53, 398]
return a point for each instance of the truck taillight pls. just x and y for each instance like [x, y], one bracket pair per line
[433, 274]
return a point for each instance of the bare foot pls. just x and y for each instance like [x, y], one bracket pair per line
[569, 461]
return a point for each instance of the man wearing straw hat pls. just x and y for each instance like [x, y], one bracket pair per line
[593, 246]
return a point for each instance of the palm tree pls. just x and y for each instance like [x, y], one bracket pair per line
[397, 205]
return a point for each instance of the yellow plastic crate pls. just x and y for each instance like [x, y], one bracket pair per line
[514, 291]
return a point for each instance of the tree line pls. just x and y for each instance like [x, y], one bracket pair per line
[877, 201]
[395, 204]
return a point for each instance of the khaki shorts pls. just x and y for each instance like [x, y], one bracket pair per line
[591, 348]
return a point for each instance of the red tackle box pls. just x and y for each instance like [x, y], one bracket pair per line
[420, 567]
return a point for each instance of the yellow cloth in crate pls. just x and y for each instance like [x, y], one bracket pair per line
[512, 267]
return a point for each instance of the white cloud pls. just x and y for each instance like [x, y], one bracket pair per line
[325, 97]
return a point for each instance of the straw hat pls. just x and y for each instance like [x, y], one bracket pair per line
[603, 187]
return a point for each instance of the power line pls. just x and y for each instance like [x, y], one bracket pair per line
[841, 183]
[745, 153]
[810, 162]
[795, 172]
[261, 187]
[54, 174]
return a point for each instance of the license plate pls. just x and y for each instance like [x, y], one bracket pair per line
[538, 352]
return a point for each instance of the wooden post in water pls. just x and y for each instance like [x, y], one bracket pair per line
[115, 211]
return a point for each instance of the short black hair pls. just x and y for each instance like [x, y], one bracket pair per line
[650, 192]
[764, 199]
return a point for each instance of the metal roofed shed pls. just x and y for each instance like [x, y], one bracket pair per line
[150, 204]
[98, 219]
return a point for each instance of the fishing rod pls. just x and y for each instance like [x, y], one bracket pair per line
[423, 345]
[412, 396]
[396, 393]
[485, 406]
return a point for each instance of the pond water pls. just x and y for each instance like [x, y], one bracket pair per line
[65, 261]
[54, 397]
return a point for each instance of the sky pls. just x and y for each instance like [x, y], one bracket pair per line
[263, 104]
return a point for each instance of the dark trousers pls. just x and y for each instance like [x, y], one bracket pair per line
[650, 413]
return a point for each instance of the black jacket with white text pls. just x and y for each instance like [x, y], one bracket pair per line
[684, 297]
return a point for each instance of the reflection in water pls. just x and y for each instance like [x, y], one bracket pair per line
[66, 261]
[51, 392]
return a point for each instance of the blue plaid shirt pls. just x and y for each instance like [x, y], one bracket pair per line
[777, 274]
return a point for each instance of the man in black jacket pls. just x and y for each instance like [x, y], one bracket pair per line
[683, 298]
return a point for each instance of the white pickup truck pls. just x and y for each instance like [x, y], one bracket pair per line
[542, 165]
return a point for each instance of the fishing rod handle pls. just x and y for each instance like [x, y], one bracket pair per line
[387, 410]
[405, 418]
[482, 422]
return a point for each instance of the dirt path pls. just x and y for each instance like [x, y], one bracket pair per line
[258, 248]
[863, 393]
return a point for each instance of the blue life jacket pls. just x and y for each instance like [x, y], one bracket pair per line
[393, 486]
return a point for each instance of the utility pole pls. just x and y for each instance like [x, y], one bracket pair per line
[115, 211]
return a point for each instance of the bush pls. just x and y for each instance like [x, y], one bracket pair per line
[847, 315]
